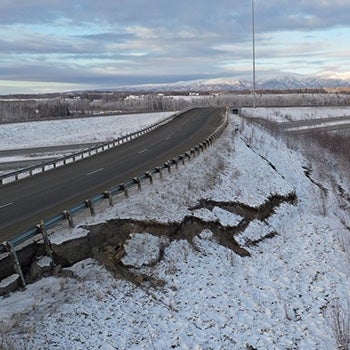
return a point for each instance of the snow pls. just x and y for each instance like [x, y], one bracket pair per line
[224, 217]
[73, 131]
[65, 235]
[8, 280]
[141, 249]
[44, 261]
[208, 297]
[294, 114]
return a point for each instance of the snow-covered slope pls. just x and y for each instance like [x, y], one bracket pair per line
[284, 295]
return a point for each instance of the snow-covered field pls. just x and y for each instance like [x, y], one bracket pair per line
[73, 131]
[285, 295]
[294, 114]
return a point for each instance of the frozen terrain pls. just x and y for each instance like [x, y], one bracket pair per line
[286, 114]
[73, 131]
[288, 292]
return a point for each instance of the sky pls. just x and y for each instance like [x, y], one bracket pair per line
[61, 45]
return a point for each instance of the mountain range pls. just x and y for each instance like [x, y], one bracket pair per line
[280, 81]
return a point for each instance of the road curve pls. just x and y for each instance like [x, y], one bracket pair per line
[23, 204]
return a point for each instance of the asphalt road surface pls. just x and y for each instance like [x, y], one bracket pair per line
[23, 204]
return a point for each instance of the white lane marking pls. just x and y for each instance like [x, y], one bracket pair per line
[144, 150]
[168, 138]
[6, 205]
[94, 171]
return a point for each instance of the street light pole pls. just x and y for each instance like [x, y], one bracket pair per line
[253, 29]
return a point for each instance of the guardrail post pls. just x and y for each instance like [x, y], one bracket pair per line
[47, 244]
[167, 165]
[138, 182]
[68, 217]
[149, 175]
[90, 205]
[16, 265]
[193, 151]
[182, 158]
[108, 195]
[159, 170]
[125, 189]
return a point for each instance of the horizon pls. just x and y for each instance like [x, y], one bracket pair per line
[63, 46]
[329, 79]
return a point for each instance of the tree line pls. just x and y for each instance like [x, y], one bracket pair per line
[70, 105]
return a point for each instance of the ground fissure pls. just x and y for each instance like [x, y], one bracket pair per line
[105, 241]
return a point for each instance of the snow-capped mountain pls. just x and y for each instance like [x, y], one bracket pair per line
[279, 81]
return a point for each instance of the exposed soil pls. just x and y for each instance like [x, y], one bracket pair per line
[105, 241]
[116, 232]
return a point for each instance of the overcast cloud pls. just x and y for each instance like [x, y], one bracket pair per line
[59, 44]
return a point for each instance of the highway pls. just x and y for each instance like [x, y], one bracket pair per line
[24, 203]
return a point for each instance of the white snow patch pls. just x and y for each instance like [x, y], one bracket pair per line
[142, 249]
[226, 218]
[9, 280]
[62, 234]
[44, 261]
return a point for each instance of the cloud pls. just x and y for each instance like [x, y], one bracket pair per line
[136, 40]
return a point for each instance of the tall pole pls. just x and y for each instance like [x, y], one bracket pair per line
[253, 29]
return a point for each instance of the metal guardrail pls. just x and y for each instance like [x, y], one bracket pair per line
[41, 228]
[73, 157]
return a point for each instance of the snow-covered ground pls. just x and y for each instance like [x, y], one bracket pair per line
[73, 131]
[283, 296]
[294, 114]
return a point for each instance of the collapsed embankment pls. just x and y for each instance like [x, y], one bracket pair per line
[105, 241]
